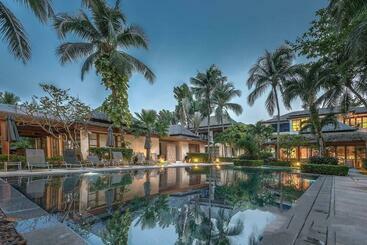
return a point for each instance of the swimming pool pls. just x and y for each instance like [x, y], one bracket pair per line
[218, 205]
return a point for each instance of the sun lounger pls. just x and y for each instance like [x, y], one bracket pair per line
[36, 159]
[117, 158]
[94, 160]
[70, 159]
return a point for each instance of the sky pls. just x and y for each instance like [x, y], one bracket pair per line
[185, 36]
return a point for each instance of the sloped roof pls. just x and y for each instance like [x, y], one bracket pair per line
[340, 127]
[215, 122]
[179, 130]
[322, 111]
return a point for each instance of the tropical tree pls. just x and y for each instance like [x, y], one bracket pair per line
[269, 73]
[196, 121]
[183, 96]
[222, 97]
[260, 132]
[167, 116]
[9, 98]
[289, 142]
[105, 38]
[12, 30]
[307, 85]
[149, 123]
[203, 86]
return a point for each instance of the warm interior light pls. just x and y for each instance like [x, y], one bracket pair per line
[217, 160]
[195, 160]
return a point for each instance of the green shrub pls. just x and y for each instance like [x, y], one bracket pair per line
[56, 161]
[326, 169]
[226, 159]
[197, 157]
[104, 152]
[323, 160]
[12, 158]
[278, 163]
[245, 162]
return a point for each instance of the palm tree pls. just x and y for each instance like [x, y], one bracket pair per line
[9, 98]
[260, 132]
[183, 96]
[105, 38]
[203, 86]
[222, 97]
[269, 73]
[307, 85]
[12, 30]
[148, 124]
[196, 121]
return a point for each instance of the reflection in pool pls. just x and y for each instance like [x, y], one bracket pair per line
[167, 206]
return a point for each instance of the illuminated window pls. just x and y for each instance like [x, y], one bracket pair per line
[297, 124]
[364, 122]
[359, 122]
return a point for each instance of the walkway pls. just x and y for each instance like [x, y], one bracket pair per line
[60, 171]
[34, 223]
[332, 211]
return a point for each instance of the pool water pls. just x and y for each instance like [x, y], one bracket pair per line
[169, 205]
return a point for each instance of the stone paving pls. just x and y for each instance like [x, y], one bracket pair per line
[32, 222]
[61, 171]
[332, 211]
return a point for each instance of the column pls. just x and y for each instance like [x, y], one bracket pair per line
[5, 145]
[84, 143]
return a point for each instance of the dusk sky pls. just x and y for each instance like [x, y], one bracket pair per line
[185, 36]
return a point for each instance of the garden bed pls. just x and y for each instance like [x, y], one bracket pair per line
[325, 169]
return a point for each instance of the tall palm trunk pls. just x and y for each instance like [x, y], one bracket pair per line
[209, 151]
[224, 147]
[314, 115]
[278, 123]
[148, 145]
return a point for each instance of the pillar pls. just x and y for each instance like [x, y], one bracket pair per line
[5, 144]
[84, 143]
[48, 146]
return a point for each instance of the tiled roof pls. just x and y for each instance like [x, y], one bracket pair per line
[340, 127]
[215, 122]
[179, 130]
[322, 111]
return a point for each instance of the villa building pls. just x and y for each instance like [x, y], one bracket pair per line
[347, 141]
[173, 147]
[217, 127]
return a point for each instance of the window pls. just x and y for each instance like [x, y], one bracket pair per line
[93, 140]
[364, 122]
[297, 124]
[303, 152]
[102, 140]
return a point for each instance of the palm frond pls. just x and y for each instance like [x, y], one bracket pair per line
[133, 36]
[88, 64]
[138, 66]
[68, 52]
[42, 9]
[13, 32]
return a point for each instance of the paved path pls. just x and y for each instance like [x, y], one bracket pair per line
[34, 223]
[332, 211]
[61, 171]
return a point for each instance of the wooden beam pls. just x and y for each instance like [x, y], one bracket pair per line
[5, 144]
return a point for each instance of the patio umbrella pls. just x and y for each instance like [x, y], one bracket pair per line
[110, 140]
[13, 135]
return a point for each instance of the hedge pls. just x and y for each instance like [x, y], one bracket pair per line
[323, 160]
[252, 163]
[104, 152]
[12, 158]
[197, 157]
[338, 170]
[227, 159]
[278, 163]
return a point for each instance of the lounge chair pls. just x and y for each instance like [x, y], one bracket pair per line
[70, 159]
[117, 158]
[36, 159]
[140, 158]
[94, 160]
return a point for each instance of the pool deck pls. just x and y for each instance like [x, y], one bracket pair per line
[62, 171]
[332, 211]
[32, 222]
